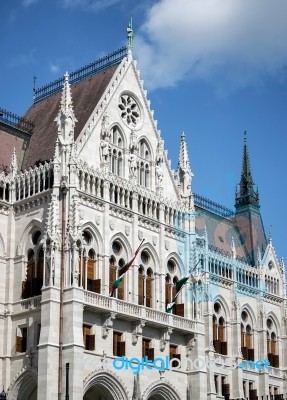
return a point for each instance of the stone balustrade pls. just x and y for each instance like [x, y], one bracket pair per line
[130, 310]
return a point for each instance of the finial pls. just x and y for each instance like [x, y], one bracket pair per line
[270, 235]
[245, 134]
[34, 86]
[130, 35]
[183, 135]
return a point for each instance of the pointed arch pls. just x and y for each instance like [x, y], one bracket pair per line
[250, 311]
[109, 381]
[220, 299]
[24, 386]
[276, 321]
[121, 237]
[150, 248]
[175, 257]
[96, 234]
[22, 244]
[144, 139]
[164, 390]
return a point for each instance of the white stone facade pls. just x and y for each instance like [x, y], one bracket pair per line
[98, 198]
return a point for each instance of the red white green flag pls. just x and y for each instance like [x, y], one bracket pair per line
[179, 286]
[124, 270]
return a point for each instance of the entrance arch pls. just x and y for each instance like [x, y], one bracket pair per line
[103, 385]
[161, 391]
[24, 387]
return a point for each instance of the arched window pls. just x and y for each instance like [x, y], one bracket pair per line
[168, 288]
[145, 279]
[141, 286]
[87, 262]
[219, 329]
[33, 280]
[116, 143]
[118, 261]
[149, 288]
[144, 164]
[272, 343]
[246, 336]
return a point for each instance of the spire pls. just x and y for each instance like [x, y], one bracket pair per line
[130, 35]
[246, 193]
[13, 165]
[183, 173]
[66, 119]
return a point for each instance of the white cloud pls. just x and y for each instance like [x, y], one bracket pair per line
[23, 59]
[54, 68]
[27, 3]
[89, 5]
[241, 39]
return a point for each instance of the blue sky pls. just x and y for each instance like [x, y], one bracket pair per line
[212, 68]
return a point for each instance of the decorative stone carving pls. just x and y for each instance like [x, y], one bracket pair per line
[165, 338]
[137, 331]
[108, 320]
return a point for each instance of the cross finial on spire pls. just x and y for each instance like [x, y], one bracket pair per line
[130, 33]
[270, 235]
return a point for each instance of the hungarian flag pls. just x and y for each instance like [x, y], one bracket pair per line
[179, 285]
[123, 271]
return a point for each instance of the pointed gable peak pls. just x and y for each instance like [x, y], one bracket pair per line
[246, 194]
[66, 119]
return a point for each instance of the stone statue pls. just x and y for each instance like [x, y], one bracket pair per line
[104, 149]
[158, 174]
[133, 164]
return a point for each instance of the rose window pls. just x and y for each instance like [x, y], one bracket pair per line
[129, 110]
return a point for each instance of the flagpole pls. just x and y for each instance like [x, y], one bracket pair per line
[129, 265]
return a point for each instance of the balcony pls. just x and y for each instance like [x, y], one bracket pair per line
[130, 311]
[25, 305]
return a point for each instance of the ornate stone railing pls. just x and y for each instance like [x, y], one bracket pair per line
[135, 311]
[20, 186]
[119, 191]
[27, 304]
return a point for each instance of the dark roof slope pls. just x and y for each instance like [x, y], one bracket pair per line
[85, 95]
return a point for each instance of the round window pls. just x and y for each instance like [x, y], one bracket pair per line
[36, 237]
[171, 266]
[145, 257]
[244, 316]
[129, 110]
[217, 308]
[116, 247]
[87, 237]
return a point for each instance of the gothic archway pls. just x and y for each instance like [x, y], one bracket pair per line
[161, 391]
[24, 387]
[104, 385]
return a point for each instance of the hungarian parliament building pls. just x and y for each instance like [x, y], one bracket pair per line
[119, 282]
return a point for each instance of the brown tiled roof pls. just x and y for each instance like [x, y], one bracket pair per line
[8, 142]
[85, 95]
[220, 232]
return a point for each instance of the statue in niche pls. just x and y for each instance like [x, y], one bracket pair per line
[105, 132]
[158, 174]
[104, 149]
[133, 164]
[159, 162]
[133, 142]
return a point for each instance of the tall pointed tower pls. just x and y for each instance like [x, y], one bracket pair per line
[183, 172]
[248, 217]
